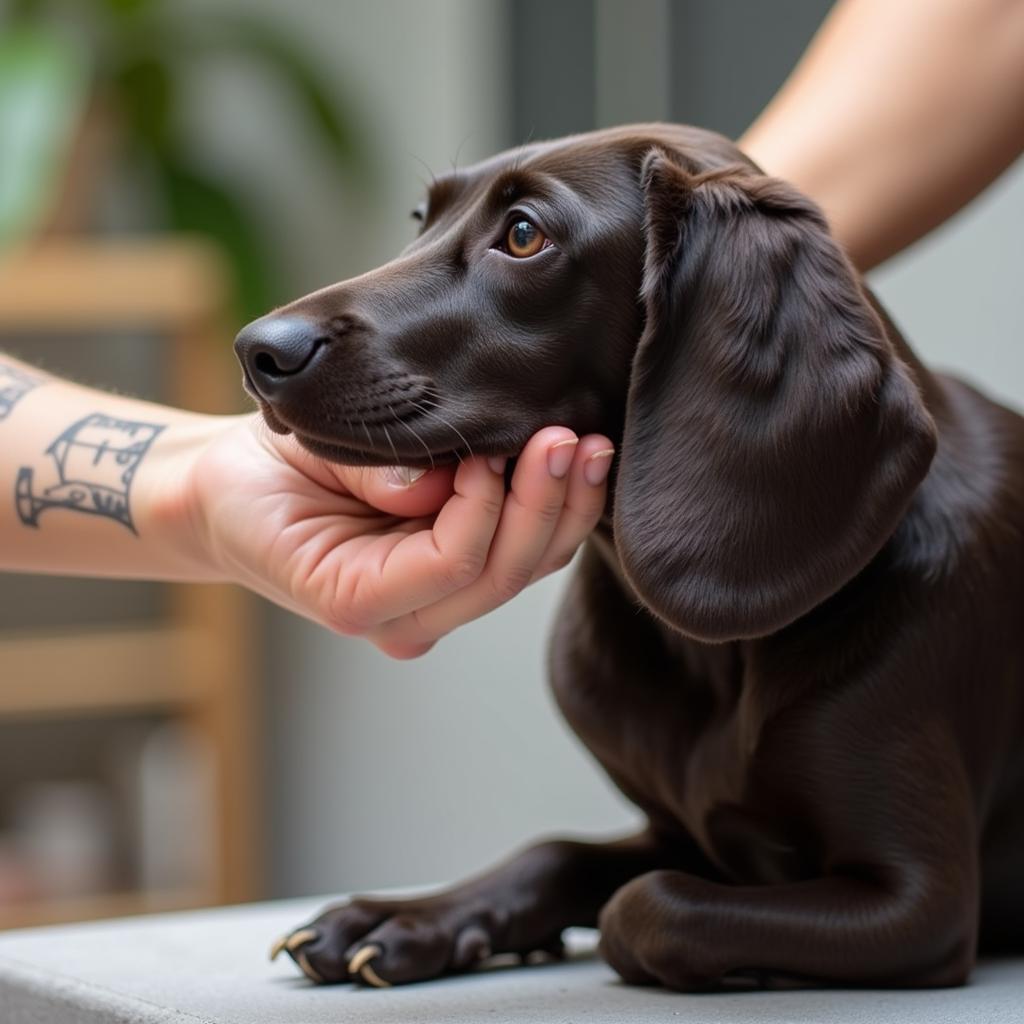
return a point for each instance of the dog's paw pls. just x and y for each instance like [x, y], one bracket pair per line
[382, 943]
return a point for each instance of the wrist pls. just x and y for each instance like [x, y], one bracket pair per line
[173, 510]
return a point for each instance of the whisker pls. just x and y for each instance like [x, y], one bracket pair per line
[391, 443]
[455, 159]
[452, 427]
[519, 153]
[423, 163]
[398, 420]
[436, 405]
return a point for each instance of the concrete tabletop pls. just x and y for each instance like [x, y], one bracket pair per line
[211, 966]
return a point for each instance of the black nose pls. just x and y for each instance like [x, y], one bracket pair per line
[276, 349]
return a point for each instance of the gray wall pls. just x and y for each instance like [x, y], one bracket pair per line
[729, 56]
[385, 773]
[957, 294]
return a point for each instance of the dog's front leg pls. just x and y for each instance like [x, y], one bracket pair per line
[520, 907]
[672, 928]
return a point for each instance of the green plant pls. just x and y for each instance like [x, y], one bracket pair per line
[135, 56]
[41, 81]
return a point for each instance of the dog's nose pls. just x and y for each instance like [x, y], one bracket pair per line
[276, 349]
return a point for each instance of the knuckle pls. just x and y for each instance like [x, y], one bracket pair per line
[355, 615]
[511, 582]
[492, 506]
[348, 609]
[344, 625]
[550, 511]
[591, 513]
[465, 570]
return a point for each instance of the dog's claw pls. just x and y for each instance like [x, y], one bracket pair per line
[300, 938]
[307, 968]
[360, 964]
[294, 943]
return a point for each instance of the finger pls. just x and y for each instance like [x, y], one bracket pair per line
[399, 490]
[530, 517]
[584, 503]
[394, 578]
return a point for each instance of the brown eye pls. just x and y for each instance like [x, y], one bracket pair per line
[524, 239]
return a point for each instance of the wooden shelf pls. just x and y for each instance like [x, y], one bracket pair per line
[193, 665]
[87, 908]
[96, 671]
[77, 284]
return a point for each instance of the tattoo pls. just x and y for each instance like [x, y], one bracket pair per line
[95, 461]
[15, 383]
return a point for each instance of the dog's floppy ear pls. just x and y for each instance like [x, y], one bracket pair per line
[773, 438]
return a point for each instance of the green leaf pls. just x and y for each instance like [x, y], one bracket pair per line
[43, 88]
[145, 89]
[334, 122]
[128, 8]
[197, 203]
[25, 10]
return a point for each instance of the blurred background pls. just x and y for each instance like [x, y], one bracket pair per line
[168, 170]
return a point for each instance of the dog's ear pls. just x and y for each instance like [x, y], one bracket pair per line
[773, 438]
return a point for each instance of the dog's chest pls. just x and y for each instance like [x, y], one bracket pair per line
[696, 775]
[679, 737]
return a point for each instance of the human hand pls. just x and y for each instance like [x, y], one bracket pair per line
[357, 551]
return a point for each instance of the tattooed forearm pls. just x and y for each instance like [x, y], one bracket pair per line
[94, 463]
[15, 383]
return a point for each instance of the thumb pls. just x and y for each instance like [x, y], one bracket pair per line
[399, 490]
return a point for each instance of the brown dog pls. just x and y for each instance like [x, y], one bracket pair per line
[795, 639]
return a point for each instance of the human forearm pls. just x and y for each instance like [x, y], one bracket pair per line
[898, 114]
[93, 483]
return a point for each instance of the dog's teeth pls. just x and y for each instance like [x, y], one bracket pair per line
[300, 938]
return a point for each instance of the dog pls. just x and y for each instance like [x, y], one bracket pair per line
[794, 640]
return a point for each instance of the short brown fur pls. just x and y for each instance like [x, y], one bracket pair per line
[794, 641]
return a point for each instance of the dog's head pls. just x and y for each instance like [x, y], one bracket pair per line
[649, 284]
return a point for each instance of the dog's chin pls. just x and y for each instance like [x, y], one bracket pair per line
[331, 451]
[334, 450]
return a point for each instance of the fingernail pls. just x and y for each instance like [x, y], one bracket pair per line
[595, 469]
[560, 457]
[497, 463]
[401, 477]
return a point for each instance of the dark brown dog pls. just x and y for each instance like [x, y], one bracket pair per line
[795, 641]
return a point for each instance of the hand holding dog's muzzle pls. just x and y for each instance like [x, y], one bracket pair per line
[397, 557]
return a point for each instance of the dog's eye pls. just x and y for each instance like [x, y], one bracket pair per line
[420, 213]
[524, 239]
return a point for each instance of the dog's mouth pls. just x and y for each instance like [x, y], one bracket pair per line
[386, 449]
[331, 451]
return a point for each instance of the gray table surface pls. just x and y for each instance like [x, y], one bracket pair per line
[211, 966]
